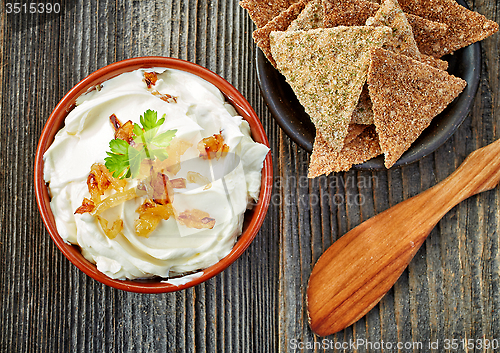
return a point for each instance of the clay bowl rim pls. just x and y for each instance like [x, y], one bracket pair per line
[253, 218]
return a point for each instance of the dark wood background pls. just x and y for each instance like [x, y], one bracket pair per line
[451, 289]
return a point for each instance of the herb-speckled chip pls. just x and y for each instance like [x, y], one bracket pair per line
[363, 114]
[310, 18]
[402, 41]
[326, 69]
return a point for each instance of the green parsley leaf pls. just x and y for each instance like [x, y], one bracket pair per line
[124, 160]
[163, 139]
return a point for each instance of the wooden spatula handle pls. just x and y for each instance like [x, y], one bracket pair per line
[479, 172]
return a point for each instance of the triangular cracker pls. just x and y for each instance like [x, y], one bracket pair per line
[464, 26]
[310, 18]
[362, 148]
[406, 95]
[263, 11]
[279, 23]
[356, 12]
[428, 34]
[354, 131]
[347, 12]
[363, 114]
[432, 61]
[326, 69]
[402, 41]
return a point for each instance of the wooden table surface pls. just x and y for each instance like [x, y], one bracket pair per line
[451, 289]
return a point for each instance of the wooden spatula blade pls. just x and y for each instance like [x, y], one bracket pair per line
[335, 306]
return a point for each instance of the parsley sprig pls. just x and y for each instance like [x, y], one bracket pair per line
[124, 160]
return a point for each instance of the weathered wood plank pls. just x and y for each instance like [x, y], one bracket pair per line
[450, 290]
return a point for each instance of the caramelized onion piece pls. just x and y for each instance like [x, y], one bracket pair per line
[115, 229]
[173, 163]
[213, 147]
[179, 183]
[114, 200]
[197, 178]
[87, 206]
[126, 133]
[106, 178]
[115, 122]
[164, 97]
[158, 188]
[145, 225]
[100, 180]
[154, 209]
[150, 215]
[93, 186]
[150, 78]
[196, 219]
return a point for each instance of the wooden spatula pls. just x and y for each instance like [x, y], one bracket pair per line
[355, 272]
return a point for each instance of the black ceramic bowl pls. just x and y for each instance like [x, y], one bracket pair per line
[291, 117]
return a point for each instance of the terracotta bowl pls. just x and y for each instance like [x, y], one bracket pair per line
[253, 218]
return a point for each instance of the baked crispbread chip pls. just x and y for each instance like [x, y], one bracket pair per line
[363, 114]
[402, 41]
[362, 148]
[279, 23]
[347, 12]
[464, 26]
[310, 18]
[406, 95]
[326, 68]
[356, 12]
[263, 11]
[353, 131]
[428, 34]
[432, 61]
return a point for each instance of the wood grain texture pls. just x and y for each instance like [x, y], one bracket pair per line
[450, 290]
[355, 272]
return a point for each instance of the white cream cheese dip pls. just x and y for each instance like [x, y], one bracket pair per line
[222, 188]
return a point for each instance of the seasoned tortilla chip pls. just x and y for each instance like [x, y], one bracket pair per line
[310, 18]
[354, 131]
[279, 23]
[432, 61]
[356, 12]
[363, 114]
[464, 26]
[402, 41]
[326, 69]
[359, 150]
[263, 11]
[406, 95]
[428, 34]
[347, 12]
